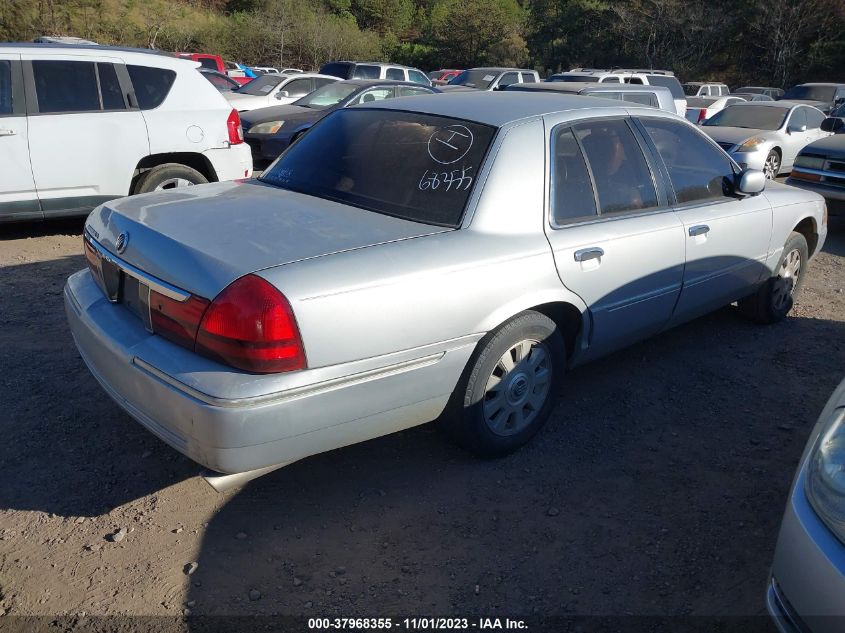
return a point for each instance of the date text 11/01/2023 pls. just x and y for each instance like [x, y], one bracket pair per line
[432, 624]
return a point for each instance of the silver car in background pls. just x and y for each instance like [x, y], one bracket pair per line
[806, 592]
[765, 135]
[652, 96]
[427, 257]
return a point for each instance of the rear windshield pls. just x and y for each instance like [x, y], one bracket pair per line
[263, 85]
[668, 82]
[810, 93]
[329, 95]
[336, 69]
[749, 116]
[480, 79]
[408, 165]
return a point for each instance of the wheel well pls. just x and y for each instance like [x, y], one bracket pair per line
[568, 319]
[189, 159]
[807, 228]
[779, 152]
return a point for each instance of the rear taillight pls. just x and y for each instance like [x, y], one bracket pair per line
[177, 321]
[702, 114]
[250, 325]
[233, 124]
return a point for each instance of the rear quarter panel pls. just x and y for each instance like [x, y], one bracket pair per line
[790, 207]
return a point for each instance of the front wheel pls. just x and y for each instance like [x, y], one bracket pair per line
[774, 299]
[771, 168]
[509, 388]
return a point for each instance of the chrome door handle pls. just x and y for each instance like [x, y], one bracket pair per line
[7, 132]
[700, 229]
[588, 253]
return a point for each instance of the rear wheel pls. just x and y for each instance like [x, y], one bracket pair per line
[509, 387]
[168, 176]
[774, 299]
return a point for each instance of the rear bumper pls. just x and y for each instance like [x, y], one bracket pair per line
[807, 592]
[233, 422]
[231, 163]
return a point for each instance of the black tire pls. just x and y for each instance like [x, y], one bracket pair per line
[774, 299]
[526, 403]
[168, 176]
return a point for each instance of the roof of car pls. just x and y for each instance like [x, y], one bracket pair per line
[577, 86]
[501, 69]
[832, 84]
[94, 48]
[348, 61]
[784, 105]
[495, 108]
[382, 82]
[162, 58]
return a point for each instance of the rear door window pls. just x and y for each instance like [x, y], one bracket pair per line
[409, 165]
[5, 87]
[798, 118]
[65, 86]
[527, 78]
[110, 88]
[396, 74]
[151, 85]
[621, 174]
[298, 87]
[698, 170]
[363, 71]
[572, 196]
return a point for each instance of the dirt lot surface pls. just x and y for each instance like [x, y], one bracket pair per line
[656, 489]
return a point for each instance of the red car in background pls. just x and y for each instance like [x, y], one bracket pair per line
[215, 62]
[442, 77]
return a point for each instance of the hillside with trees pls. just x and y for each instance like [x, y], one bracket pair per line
[771, 42]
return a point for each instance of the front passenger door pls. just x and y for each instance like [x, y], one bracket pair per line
[726, 237]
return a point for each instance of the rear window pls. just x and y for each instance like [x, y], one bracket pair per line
[151, 85]
[336, 69]
[753, 117]
[207, 62]
[642, 98]
[667, 82]
[5, 87]
[810, 93]
[408, 165]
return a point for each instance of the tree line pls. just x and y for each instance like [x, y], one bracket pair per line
[768, 42]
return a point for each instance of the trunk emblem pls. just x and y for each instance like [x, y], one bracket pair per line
[121, 242]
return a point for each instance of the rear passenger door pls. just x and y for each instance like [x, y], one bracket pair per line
[18, 198]
[616, 241]
[84, 138]
[726, 238]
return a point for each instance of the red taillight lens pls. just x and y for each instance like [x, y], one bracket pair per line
[233, 124]
[250, 325]
[177, 321]
[702, 114]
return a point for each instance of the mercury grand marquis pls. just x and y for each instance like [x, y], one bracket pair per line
[437, 257]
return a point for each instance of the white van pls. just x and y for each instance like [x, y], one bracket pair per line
[80, 125]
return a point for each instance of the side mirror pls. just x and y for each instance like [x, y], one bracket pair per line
[283, 94]
[832, 124]
[792, 129]
[749, 182]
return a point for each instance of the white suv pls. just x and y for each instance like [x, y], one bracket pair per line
[636, 76]
[80, 125]
[701, 89]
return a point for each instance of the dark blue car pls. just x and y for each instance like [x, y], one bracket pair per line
[269, 131]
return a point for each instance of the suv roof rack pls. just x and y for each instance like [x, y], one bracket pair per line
[588, 70]
[645, 71]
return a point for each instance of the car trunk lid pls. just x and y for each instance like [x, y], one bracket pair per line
[200, 239]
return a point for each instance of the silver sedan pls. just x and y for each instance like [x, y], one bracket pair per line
[806, 591]
[441, 258]
[765, 135]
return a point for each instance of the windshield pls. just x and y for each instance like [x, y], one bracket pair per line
[409, 165]
[574, 78]
[810, 93]
[261, 86]
[691, 89]
[328, 95]
[480, 79]
[749, 90]
[749, 116]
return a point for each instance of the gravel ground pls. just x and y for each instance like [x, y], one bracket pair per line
[656, 489]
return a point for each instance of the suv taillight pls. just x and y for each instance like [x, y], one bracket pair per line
[250, 325]
[702, 114]
[233, 125]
